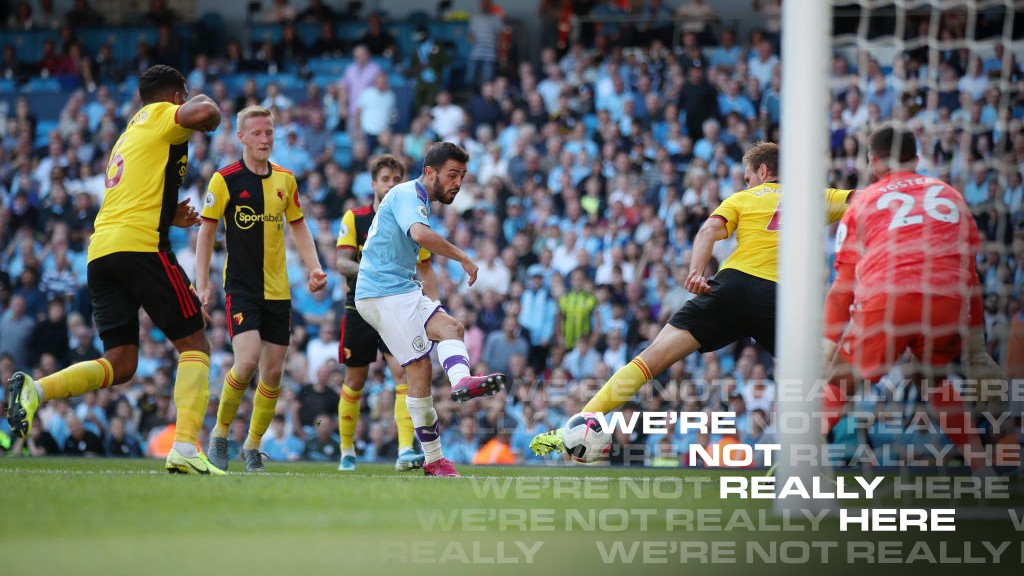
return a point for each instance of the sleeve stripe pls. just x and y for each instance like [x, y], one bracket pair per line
[214, 220]
[719, 216]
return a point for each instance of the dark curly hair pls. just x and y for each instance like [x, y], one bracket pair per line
[158, 79]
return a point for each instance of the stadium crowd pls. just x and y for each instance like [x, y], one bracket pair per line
[592, 168]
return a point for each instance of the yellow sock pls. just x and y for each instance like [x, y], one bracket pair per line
[348, 416]
[262, 412]
[191, 395]
[78, 379]
[620, 387]
[230, 397]
[402, 418]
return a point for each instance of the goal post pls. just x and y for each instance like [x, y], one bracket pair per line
[806, 46]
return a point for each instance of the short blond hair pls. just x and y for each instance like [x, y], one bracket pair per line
[252, 112]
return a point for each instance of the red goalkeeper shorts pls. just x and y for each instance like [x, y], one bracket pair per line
[882, 328]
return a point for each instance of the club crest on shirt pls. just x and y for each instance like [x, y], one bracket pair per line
[239, 318]
[280, 194]
[418, 345]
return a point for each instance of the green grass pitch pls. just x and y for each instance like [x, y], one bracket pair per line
[104, 517]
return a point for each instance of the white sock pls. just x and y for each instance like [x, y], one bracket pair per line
[424, 421]
[185, 449]
[39, 391]
[455, 359]
[348, 452]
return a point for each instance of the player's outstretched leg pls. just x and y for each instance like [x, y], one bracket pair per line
[24, 403]
[615, 392]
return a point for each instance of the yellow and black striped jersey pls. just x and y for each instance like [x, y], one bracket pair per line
[146, 167]
[355, 225]
[254, 208]
[754, 215]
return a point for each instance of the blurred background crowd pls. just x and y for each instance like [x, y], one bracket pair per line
[598, 146]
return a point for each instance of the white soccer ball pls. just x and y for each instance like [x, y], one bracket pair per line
[584, 438]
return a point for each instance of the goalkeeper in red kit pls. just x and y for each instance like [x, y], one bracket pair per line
[906, 282]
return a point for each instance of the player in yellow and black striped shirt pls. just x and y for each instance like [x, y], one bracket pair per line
[131, 266]
[739, 301]
[254, 198]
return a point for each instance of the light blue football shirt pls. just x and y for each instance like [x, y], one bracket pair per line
[388, 263]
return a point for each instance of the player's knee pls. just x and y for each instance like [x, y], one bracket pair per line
[245, 368]
[454, 330]
[355, 383]
[271, 376]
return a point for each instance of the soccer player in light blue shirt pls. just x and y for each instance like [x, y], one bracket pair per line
[389, 298]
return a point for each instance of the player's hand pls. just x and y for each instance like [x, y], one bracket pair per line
[471, 269]
[317, 281]
[697, 283]
[205, 294]
[185, 216]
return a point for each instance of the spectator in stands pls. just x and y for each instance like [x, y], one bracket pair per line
[447, 116]
[279, 12]
[322, 349]
[327, 44]
[358, 76]
[697, 17]
[500, 346]
[55, 63]
[21, 17]
[280, 444]
[323, 446]
[378, 40]
[485, 29]
[582, 361]
[377, 110]
[461, 449]
[50, 336]
[763, 64]
[82, 15]
[290, 52]
[320, 397]
[699, 99]
[16, 331]
[159, 14]
[120, 444]
[81, 442]
[318, 11]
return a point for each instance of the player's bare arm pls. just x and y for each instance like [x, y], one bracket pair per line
[200, 113]
[307, 251]
[185, 215]
[427, 238]
[346, 263]
[710, 232]
[204, 252]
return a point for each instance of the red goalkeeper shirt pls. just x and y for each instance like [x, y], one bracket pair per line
[908, 234]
